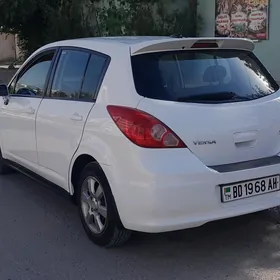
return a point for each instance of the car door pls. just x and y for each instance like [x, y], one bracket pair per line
[18, 112]
[63, 113]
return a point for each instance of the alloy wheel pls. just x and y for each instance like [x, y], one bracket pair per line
[94, 205]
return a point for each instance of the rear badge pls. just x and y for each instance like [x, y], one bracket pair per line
[199, 143]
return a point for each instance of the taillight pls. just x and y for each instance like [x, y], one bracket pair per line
[143, 129]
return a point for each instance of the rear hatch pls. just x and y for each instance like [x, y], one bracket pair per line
[221, 102]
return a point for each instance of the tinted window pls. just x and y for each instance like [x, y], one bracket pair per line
[92, 78]
[32, 81]
[202, 76]
[69, 74]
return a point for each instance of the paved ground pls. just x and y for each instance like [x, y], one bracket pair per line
[41, 238]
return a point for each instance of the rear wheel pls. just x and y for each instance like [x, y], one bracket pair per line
[97, 209]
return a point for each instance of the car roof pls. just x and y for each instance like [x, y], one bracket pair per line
[144, 44]
[117, 40]
[107, 45]
[128, 40]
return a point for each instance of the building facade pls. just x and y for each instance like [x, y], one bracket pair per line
[8, 48]
[266, 49]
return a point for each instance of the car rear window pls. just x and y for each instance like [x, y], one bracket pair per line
[203, 76]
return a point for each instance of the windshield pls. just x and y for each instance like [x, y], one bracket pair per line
[214, 76]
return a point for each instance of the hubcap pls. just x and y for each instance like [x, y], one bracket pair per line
[94, 206]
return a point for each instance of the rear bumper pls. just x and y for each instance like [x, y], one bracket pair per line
[173, 190]
[167, 221]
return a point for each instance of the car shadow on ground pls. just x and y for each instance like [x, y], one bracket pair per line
[42, 234]
[238, 248]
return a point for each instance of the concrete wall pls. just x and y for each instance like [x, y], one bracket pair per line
[267, 51]
[8, 48]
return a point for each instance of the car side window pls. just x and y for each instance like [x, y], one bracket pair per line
[92, 77]
[33, 79]
[69, 74]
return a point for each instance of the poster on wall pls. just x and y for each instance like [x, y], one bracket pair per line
[242, 19]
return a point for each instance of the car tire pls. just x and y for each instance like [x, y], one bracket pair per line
[4, 168]
[97, 209]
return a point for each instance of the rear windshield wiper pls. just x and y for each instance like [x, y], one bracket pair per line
[214, 97]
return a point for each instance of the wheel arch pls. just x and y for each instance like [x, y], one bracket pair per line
[79, 163]
[77, 166]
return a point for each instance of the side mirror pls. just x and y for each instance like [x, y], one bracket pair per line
[4, 90]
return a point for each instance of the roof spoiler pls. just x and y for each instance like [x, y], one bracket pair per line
[191, 43]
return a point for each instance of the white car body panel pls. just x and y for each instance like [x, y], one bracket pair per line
[18, 136]
[240, 131]
[155, 190]
[172, 190]
[59, 129]
[101, 136]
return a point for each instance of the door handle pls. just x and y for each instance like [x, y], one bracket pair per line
[76, 117]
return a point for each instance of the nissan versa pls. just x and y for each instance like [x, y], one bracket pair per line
[149, 134]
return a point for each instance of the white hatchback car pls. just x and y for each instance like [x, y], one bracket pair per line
[149, 134]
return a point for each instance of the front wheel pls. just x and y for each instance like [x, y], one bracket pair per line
[97, 209]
